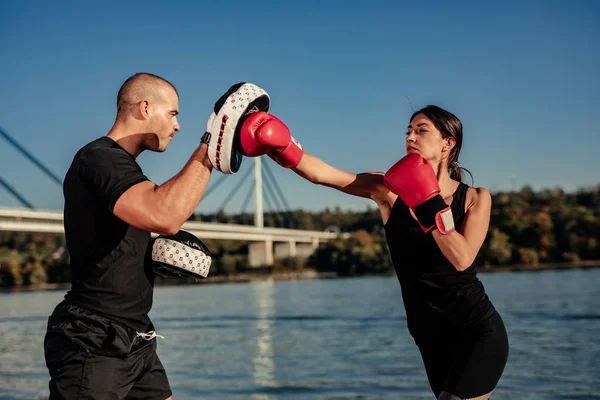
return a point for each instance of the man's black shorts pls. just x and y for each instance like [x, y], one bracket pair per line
[92, 357]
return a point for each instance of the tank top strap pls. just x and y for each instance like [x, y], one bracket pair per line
[459, 200]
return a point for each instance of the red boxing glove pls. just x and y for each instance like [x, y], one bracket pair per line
[263, 133]
[414, 181]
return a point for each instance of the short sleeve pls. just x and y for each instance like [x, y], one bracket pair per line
[108, 172]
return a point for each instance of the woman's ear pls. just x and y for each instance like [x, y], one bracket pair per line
[450, 143]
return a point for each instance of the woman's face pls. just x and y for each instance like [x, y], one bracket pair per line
[424, 138]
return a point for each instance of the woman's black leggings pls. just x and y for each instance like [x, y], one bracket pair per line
[469, 365]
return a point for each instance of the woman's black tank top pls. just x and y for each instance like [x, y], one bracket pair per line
[436, 296]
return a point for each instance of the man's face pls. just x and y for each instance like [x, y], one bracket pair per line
[162, 122]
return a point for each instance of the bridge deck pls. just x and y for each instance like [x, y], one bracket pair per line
[22, 220]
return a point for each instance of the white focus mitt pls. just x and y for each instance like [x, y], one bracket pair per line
[223, 127]
[182, 254]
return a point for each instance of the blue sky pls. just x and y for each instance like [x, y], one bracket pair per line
[522, 76]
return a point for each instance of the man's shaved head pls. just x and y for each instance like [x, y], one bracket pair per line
[141, 86]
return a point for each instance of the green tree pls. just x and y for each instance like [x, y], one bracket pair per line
[497, 249]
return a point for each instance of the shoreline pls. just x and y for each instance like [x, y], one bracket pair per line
[541, 266]
[310, 274]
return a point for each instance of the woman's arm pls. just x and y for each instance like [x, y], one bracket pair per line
[368, 185]
[263, 133]
[461, 248]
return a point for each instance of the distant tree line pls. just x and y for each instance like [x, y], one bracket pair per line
[526, 227]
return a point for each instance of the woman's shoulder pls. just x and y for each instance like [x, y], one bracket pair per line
[478, 197]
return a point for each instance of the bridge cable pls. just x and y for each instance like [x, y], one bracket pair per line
[269, 187]
[270, 205]
[247, 199]
[280, 220]
[235, 189]
[30, 157]
[16, 194]
[213, 187]
[286, 208]
[277, 187]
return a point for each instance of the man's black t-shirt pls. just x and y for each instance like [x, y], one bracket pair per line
[108, 268]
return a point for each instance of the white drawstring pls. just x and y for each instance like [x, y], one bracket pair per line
[149, 335]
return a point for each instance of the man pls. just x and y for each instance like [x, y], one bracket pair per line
[100, 342]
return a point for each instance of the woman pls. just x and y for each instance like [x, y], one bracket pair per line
[435, 225]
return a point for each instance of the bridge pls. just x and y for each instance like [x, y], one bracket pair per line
[265, 243]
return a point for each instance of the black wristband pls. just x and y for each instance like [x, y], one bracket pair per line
[205, 138]
[427, 211]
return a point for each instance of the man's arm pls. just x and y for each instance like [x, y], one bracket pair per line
[163, 209]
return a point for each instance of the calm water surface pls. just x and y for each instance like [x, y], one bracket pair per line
[330, 339]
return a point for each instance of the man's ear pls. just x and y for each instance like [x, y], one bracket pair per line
[144, 108]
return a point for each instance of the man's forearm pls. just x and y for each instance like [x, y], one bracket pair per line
[181, 194]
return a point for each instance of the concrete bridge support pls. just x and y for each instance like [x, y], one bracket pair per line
[260, 253]
[263, 253]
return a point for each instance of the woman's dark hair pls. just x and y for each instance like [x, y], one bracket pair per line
[450, 126]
